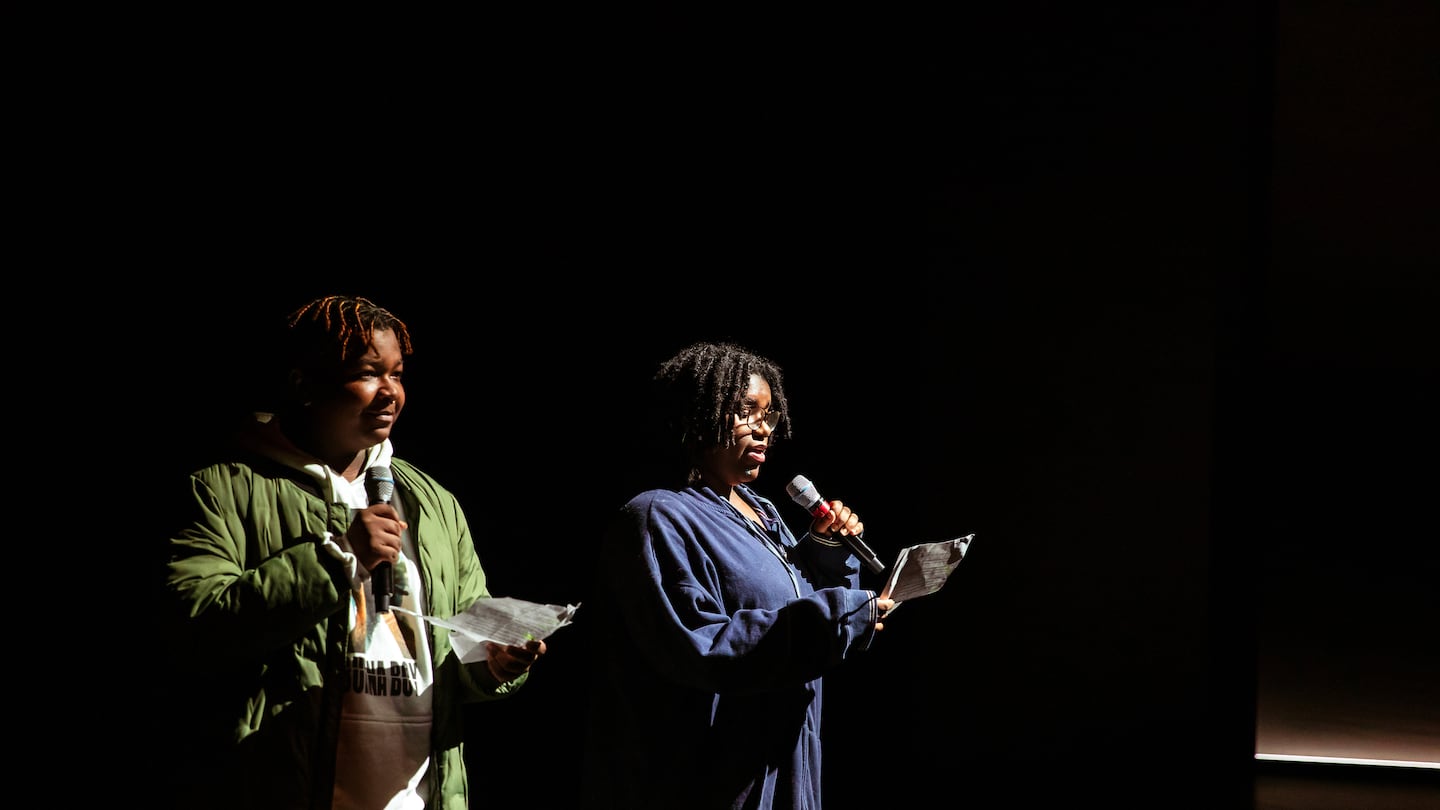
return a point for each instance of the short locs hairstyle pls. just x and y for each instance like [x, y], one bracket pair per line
[328, 332]
[697, 391]
[316, 341]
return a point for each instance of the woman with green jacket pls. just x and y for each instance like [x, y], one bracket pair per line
[298, 580]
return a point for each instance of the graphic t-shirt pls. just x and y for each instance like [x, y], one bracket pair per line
[384, 751]
[383, 755]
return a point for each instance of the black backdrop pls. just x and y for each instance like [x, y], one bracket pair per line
[1124, 294]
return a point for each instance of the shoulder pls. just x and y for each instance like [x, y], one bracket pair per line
[660, 500]
[420, 483]
[240, 487]
[670, 509]
[238, 469]
[407, 473]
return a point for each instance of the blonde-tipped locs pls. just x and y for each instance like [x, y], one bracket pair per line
[341, 324]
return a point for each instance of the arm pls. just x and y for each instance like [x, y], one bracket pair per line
[719, 614]
[455, 580]
[247, 582]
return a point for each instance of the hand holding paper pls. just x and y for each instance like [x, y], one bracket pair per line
[923, 569]
[503, 620]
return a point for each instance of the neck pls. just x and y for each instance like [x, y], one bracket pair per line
[742, 507]
[349, 471]
[347, 463]
[721, 487]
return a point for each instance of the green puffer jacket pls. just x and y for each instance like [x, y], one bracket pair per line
[259, 636]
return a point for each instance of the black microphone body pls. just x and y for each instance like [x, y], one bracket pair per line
[380, 486]
[804, 493]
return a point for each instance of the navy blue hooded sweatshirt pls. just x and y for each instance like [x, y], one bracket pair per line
[709, 641]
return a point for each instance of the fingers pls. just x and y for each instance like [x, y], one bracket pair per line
[383, 550]
[375, 535]
[508, 662]
[846, 521]
[840, 520]
[883, 606]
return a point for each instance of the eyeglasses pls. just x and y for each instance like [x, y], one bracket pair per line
[753, 419]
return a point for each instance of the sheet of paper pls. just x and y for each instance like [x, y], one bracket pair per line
[923, 569]
[503, 620]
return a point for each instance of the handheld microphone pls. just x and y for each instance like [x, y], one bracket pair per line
[803, 493]
[380, 486]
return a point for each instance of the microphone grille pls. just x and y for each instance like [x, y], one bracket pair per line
[379, 483]
[797, 485]
[800, 491]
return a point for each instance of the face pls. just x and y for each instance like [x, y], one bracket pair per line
[358, 408]
[739, 463]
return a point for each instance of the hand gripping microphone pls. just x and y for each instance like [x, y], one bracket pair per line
[380, 486]
[803, 493]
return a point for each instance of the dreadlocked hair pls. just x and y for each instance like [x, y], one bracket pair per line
[341, 327]
[697, 391]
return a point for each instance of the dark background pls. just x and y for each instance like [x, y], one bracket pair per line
[1144, 298]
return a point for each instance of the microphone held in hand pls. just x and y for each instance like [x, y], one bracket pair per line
[380, 486]
[802, 492]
